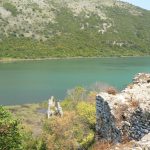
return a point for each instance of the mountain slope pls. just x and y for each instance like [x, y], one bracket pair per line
[67, 28]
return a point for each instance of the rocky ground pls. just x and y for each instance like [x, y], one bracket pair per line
[125, 117]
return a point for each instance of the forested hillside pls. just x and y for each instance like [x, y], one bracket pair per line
[71, 28]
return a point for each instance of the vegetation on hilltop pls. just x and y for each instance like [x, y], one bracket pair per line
[71, 29]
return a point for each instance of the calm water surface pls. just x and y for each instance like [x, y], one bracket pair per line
[34, 81]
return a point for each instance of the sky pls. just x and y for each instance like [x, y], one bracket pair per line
[141, 3]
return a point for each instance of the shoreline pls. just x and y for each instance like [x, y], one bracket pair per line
[9, 60]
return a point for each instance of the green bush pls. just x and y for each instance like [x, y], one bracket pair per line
[88, 140]
[10, 136]
[68, 105]
[31, 143]
[13, 136]
[87, 112]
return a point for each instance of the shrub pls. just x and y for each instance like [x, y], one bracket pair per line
[134, 103]
[77, 94]
[87, 113]
[62, 133]
[87, 141]
[10, 135]
[111, 90]
[68, 105]
[120, 113]
[31, 143]
[69, 132]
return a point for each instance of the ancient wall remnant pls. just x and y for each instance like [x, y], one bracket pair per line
[126, 114]
[105, 124]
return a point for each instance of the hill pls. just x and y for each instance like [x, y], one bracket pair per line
[72, 28]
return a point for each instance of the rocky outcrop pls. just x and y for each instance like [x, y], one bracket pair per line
[126, 115]
[141, 78]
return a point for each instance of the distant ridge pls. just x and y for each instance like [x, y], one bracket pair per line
[70, 28]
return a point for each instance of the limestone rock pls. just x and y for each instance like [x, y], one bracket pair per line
[144, 143]
[142, 78]
[126, 114]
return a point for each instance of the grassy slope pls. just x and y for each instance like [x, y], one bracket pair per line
[133, 31]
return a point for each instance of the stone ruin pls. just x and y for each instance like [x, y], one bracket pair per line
[54, 108]
[125, 115]
[105, 126]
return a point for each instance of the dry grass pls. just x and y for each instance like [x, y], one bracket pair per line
[111, 90]
[120, 114]
[102, 146]
[109, 146]
[59, 132]
[134, 103]
[124, 146]
[91, 97]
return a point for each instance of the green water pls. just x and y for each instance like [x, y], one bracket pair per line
[34, 81]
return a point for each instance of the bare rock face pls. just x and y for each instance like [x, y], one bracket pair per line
[127, 114]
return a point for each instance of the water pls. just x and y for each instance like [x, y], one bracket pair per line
[34, 81]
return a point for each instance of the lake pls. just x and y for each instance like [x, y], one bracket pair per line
[34, 81]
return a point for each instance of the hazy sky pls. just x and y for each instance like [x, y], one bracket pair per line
[142, 3]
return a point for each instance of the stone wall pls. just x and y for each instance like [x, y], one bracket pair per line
[105, 125]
